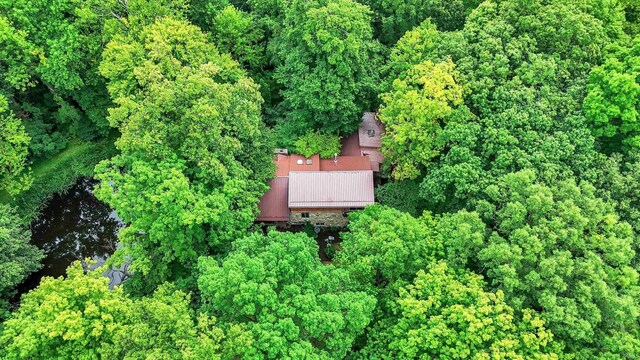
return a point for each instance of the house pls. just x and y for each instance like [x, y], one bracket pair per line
[322, 191]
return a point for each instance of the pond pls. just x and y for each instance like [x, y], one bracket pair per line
[74, 226]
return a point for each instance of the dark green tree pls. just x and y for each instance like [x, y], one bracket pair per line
[18, 258]
[395, 17]
[327, 64]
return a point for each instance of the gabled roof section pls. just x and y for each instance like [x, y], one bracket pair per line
[330, 189]
[273, 204]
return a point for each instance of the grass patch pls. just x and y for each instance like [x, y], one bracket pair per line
[58, 174]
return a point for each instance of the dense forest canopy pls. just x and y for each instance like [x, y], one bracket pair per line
[507, 222]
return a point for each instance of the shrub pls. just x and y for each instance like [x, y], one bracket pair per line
[315, 142]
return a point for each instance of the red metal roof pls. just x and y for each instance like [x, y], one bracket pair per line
[274, 203]
[301, 163]
[351, 145]
[330, 189]
[374, 156]
[314, 183]
[345, 163]
[370, 131]
[282, 165]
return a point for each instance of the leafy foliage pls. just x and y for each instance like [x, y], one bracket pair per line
[237, 33]
[80, 317]
[384, 246]
[401, 195]
[414, 112]
[294, 306]
[194, 154]
[559, 250]
[55, 47]
[17, 54]
[523, 71]
[446, 315]
[396, 17]
[612, 103]
[327, 62]
[499, 116]
[315, 142]
[18, 258]
[14, 142]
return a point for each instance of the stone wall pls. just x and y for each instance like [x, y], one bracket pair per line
[320, 218]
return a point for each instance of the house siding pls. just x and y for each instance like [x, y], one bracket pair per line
[318, 217]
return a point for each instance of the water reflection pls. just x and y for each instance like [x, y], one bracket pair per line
[74, 226]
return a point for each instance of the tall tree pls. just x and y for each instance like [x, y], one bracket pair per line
[612, 103]
[559, 250]
[446, 314]
[17, 59]
[385, 246]
[64, 40]
[237, 33]
[414, 112]
[294, 306]
[327, 66]
[383, 251]
[525, 104]
[395, 17]
[195, 155]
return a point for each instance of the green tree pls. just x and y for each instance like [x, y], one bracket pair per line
[384, 246]
[80, 317]
[294, 306]
[327, 64]
[315, 142]
[401, 195]
[559, 250]
[14, 143]
[523, 68]
[18, 258]
[396, 17]
[195, 156]
[61, 46]
[414, 47]
[632, 14]
[618, 183]
[444, 314]
[17, 59]
[382, 251]
[612, 103]
[237, 33]
[414, 112]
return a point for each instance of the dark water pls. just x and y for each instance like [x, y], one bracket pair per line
[73, 226]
